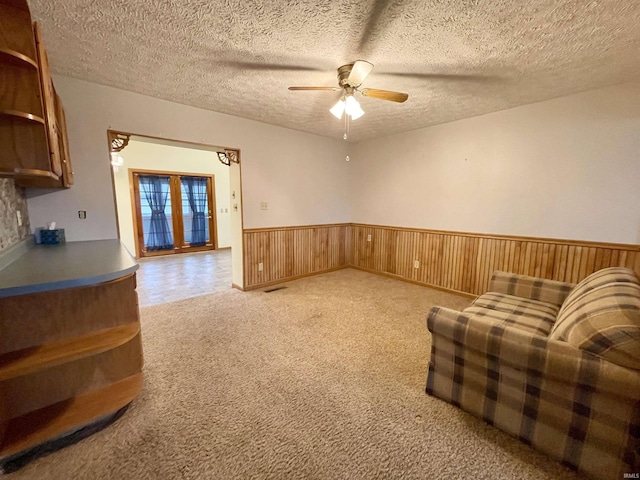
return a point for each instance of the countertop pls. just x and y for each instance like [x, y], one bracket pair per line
[43, 268]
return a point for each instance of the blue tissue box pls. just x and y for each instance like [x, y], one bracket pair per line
[52, 237]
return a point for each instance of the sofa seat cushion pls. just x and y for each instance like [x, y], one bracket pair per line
[604, 321]
[531, 315]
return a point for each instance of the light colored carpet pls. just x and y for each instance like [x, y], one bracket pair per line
[322, 380]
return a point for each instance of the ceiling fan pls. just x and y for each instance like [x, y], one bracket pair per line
[350, 78]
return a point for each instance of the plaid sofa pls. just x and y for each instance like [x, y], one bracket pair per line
[556, 365]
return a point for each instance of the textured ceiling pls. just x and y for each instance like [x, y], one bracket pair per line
[455, 59]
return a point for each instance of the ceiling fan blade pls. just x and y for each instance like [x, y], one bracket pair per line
[359, 72]
[445, 76]
[329, 89]
[370, 29]
[384, 95]
[266, 66]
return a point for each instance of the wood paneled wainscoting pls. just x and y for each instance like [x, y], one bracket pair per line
[460, 262]
[463, 262]
[293, 252]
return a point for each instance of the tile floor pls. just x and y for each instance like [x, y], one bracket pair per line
[175, 277]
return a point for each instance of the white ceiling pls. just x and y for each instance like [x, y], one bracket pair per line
[455, 59]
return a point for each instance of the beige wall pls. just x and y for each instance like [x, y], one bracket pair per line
[565, 168]
[144, 155]
[303, 177]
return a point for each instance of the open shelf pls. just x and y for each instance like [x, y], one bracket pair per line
[22, 362]
[34, 428]
[27, 173]
[27, 117]
[16, 58]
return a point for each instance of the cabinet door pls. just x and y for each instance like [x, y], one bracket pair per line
[49, 99]
[67, 171]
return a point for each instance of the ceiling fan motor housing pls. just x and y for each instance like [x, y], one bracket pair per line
[343, 75]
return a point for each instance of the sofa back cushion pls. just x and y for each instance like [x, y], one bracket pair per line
[597, 279]
[602, 316]
[532, 288]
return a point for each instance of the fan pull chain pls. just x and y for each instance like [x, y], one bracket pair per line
[346, 126]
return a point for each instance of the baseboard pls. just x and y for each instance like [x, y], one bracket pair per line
[414, 282]
[355, 267]
[290, 279]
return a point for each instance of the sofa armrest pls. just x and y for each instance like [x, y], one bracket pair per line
[534, 354]
[541, 289]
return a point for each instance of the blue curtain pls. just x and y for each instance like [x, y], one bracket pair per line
[156, 192]
[196, 188]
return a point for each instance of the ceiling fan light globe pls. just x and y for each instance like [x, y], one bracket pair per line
[353, 108]
[338, 109]
[357, 114]
[351, 104]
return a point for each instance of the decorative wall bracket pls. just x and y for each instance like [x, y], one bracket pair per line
[117, 141]
[228, 157]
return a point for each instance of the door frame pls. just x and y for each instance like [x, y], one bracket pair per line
[176, 212]
[236, 186]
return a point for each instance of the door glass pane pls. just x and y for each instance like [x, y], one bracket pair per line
[155, 206]
[195, 210]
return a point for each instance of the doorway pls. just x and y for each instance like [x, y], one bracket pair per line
[181, 166]
[174, 212]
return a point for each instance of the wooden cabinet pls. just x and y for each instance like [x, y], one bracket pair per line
[33, 138]
[67, 358]
[70, 345]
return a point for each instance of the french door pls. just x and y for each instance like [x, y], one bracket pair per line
[174, 212]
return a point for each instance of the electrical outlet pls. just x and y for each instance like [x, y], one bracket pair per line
[19, 217]
[264, 206]
[82, 214]
[260, 267]
[416, 264]
[369, 238]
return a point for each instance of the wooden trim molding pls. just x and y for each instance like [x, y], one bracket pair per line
[460, 262]
[295, 227]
